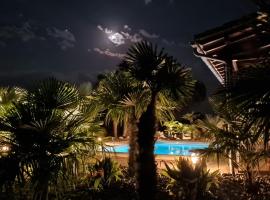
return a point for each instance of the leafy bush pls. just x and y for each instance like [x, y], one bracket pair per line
[192, 182]
[104, 173]
[178, 129]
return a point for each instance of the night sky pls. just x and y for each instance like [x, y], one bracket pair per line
[77, 39]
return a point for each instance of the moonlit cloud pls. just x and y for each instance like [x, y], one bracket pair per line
[127, 27]
[108, 52]
[27, 32]
[24, 32]
[174, 43]
[115, 37]
[65, 39]
[64, 44]
[183, 45]
[120, 38]
[132, 38]
[100, 27]
[148, 35]
[105, 30]
[167, 42]
[108, 31]
[147, 1]
[62, 34]
[128, 35]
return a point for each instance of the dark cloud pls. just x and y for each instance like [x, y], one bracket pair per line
[148, 35]
[167, 42]
[23, 32]
[2, 44]
[65, 39]
[26, 32]
[147, 1]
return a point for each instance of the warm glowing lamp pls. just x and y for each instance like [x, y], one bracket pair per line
[194, 158]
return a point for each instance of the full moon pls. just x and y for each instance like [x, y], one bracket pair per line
[117, 38]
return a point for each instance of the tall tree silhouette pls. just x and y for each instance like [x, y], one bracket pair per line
[159, 72]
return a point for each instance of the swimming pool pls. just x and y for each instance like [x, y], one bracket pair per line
[167, 148]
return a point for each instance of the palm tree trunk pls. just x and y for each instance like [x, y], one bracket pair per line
[231, 165]
[146, 166]
[42, 194]
[133, 147]
[126, 127]
[115, 128]
[41, 189]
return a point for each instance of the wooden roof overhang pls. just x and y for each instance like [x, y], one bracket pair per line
[235, 44]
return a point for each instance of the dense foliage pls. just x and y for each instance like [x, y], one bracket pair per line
[50, 144]
[45, 132]
[191, 181]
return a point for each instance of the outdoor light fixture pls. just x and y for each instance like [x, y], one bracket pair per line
[5, 149]
[194, 158]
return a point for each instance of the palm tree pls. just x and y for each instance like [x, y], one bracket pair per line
[160, 73]
[136, 102]
[248, 99]
[214, 126]
[85, 88]
[123, 99]
[45, 133]
[239, 144]
[111, 90]
[8, 95]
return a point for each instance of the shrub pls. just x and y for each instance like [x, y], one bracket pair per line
[192, 182]
[104, 173]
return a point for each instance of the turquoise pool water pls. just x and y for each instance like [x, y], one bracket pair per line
[167, 148]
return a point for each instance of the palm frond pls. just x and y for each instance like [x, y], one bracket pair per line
[248, 100]
[52, 93]
[48, 127]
